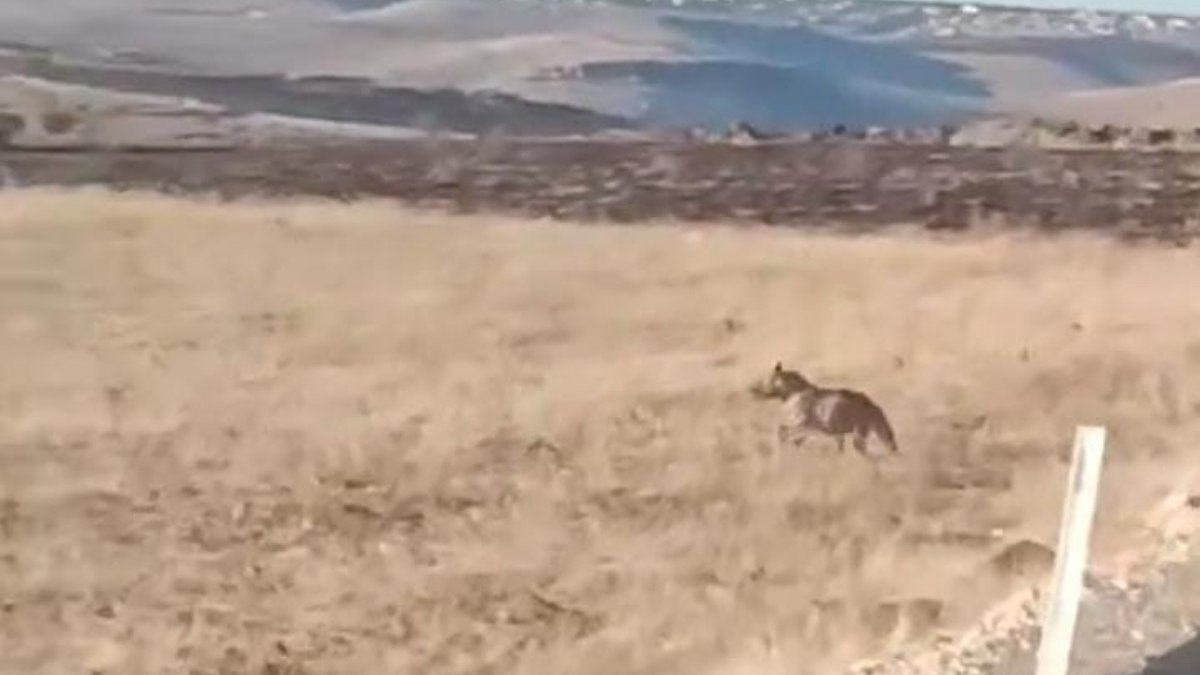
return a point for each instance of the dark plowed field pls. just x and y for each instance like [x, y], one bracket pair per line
[855, 184]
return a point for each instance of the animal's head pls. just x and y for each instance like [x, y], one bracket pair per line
[781, 383]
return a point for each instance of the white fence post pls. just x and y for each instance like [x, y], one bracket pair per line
[1070, 559]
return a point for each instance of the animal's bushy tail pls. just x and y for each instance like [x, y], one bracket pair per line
[883, 428]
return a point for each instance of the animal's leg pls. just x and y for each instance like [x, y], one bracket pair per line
[785, 433]
[860, 441]
[793, 434]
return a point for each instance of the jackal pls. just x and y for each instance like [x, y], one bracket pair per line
[833, 412]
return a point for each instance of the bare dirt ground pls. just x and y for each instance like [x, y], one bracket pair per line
[300, 437]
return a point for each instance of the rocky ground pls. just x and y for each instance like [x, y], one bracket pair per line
[1142, 620]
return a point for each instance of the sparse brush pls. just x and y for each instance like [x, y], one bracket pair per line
[409, 443]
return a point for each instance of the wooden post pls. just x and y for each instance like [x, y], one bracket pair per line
[1070, 560]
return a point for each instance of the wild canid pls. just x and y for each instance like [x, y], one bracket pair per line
[833, 412]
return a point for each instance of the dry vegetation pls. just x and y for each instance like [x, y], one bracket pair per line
[300, 437]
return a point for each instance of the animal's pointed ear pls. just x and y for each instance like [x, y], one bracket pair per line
[779, 366]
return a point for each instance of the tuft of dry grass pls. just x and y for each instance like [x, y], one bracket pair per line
[301, 437]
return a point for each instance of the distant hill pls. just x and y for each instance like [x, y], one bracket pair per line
[1175, 105]
[355, 5]
[564, 66]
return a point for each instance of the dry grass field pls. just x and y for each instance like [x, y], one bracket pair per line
[313, 438]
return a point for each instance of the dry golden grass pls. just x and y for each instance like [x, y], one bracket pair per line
[355, 439]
